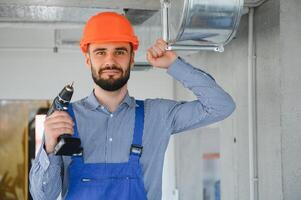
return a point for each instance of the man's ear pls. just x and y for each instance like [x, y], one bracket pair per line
[88, 60]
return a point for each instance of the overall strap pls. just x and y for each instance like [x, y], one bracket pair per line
[71, 113]
[136, 147]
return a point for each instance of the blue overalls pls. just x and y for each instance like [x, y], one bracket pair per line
[109, 181]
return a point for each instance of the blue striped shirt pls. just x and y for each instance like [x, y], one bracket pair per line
[106, 137]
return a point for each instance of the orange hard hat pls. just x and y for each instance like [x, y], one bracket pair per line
[108, 27]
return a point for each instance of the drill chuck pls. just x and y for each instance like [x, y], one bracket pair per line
[61, 102]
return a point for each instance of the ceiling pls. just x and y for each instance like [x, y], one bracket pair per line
[78, 11]
[113, 4]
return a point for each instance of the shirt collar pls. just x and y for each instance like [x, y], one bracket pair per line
[92, 103]
[130, 101]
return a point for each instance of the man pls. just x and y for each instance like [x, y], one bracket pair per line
[124, 140]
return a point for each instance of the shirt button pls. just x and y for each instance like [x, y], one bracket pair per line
[111, 115]
[44, 183]
[111, 139]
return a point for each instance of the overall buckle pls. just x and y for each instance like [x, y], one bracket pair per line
[136, 149]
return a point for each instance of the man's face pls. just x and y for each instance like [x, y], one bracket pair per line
[110, 64]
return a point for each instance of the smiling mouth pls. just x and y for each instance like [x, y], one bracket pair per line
[110, 71]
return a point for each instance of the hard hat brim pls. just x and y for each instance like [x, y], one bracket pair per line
[84, 44]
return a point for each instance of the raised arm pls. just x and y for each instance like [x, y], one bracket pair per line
[213, 103]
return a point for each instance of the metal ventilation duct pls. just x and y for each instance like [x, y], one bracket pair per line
[45, 14]
[110, 4]
[253, 3]
[200, 24]
[55, 16]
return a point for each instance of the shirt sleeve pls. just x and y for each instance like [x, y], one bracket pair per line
[213, 103]
[46, 176]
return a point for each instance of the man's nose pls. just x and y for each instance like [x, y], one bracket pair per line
[110, 59]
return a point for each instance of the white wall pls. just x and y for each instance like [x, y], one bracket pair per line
[29, 69]
[277, 59]
[267, 42]
[290, 42]
[230, 71]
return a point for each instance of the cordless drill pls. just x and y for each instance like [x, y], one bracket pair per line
[67, 145]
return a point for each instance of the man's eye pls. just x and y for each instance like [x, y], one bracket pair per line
[121, 52]
[100, 53]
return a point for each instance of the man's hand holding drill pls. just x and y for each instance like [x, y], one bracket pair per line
[58, 123]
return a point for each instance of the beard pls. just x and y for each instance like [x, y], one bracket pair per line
[111, 84]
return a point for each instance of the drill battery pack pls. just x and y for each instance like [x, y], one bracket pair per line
[68, 146]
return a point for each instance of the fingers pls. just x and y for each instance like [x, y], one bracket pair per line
[60, 129]
[149, 57]
[158, 49]
[158, 55]
[58, 123]
[59, 116]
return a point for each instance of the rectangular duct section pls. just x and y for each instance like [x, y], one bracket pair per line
[54, 16]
